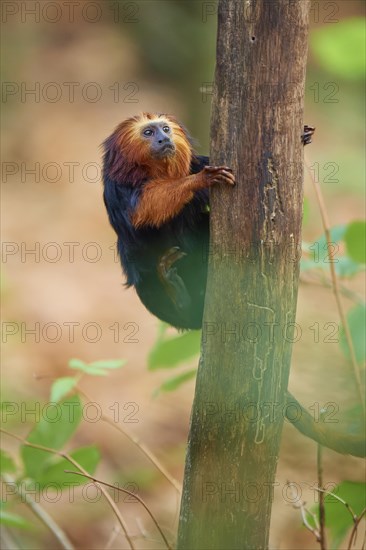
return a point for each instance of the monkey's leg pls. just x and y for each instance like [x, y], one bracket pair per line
[173, 284]
[307, 135]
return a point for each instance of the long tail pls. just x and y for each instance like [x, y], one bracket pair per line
[345, 443]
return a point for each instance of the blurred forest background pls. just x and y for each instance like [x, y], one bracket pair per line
[88, 71]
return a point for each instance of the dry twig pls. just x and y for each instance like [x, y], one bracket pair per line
[146, 451]
[42, 515]
[127, 493]
[81, 469]
[335, 286]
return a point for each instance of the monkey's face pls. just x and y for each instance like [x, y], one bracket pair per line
[158, 136]
[148, 145]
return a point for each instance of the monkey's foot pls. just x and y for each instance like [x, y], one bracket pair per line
[168, 259]
[307, 135]
[173, 284]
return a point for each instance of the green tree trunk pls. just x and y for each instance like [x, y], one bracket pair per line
[248, 329]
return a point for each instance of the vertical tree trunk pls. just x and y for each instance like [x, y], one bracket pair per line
[251, 296]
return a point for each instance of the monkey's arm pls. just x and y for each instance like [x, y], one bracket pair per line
[163, 199]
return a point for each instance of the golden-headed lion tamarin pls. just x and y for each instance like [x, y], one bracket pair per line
[156, 194]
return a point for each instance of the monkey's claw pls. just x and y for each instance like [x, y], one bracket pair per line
[307, 135]
[173, 284]
[168, 259]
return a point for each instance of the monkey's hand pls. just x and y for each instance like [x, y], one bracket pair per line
[307, 135]
[218, 174]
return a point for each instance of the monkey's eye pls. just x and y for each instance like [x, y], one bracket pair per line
[148, 132]
[166, 129]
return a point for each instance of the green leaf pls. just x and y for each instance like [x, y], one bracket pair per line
[173, 383]
[355, 239]
[97, 368]
[108, 364]
[336, 235]
[346, 267]
[61, 387]
[13, 520]
[58, 423]
[162, 330]
[321, 255]
[357, 325]
[94, 371]
[7, 464]
[337, 517]
[84, 367]
[340, 48]
[169, 353]
[77, 364]
[53, 473]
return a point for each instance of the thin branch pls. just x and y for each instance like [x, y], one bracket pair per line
[136, 441]
[114, 534]
[81, 469]
[335, 286]
[117, 529]
[304, 514]
[354, 529]
[144, 533]
[42, 515]
[353, 515]
[127, 493]
[7, 539]
[323, 541]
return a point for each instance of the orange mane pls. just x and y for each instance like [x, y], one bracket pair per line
[127, 156]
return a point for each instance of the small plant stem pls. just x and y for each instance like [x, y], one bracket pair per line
[136, 441]
[42, 515]
[353, 515]
[81, 469]
[323, 541]
[127, 493]
[352, 538]
[335, 286]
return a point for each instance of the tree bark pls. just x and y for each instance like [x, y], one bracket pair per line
[248, 328]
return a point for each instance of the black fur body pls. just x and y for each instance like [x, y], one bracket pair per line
[140, 249]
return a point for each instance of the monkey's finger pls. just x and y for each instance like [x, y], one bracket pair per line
[228, 175]
[211, 168]
[230, 181]
[227, 168]
[224, 179]
[217, 168]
